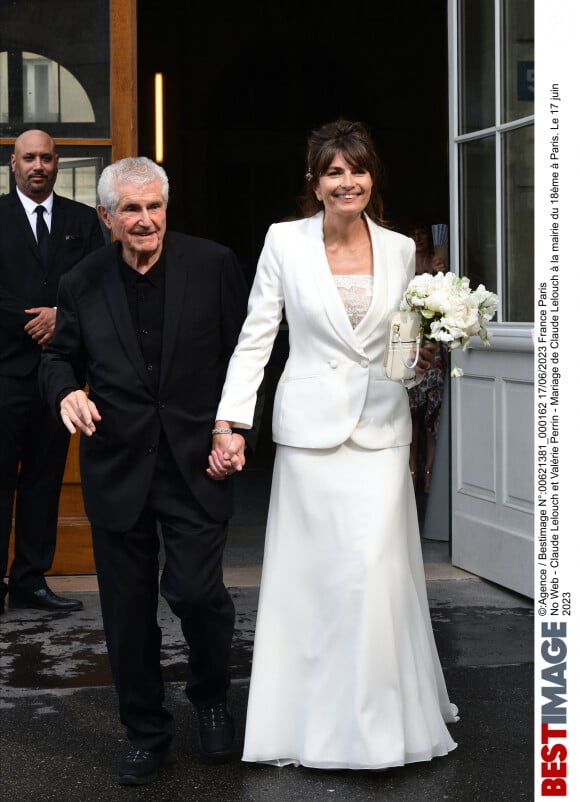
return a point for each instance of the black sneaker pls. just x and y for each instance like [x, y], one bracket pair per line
[216, 729]
[139, 766]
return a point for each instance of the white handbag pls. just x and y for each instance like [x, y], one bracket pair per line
[404, 338]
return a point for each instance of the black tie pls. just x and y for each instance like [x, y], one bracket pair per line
[42, 233]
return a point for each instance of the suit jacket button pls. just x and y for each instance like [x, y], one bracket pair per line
[161, 404]
[364, 363]
[333, 363]
[151, 450]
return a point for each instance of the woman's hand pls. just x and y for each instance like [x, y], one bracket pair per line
[426, 358]
[438, 265]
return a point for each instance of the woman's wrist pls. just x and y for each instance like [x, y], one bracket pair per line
[222, 427]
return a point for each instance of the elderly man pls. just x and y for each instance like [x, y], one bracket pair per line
[150, 323]
[41, 237]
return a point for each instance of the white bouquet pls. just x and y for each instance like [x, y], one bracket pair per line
[450, 311]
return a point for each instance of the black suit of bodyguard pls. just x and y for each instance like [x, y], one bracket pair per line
[32, 446]
[151, 322]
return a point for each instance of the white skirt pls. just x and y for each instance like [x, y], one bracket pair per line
[345, 670]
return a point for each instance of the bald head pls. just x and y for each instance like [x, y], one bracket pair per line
[35, 164]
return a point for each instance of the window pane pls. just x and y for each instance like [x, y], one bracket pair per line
[478, 222]
[54, 67]
[4, 180]
[518, 60]
[3, 87]
[519, 224]
[51, 93]
[39, 89]
[77, 179]
[477, 65]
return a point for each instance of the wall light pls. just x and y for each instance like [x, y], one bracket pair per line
[159, 100]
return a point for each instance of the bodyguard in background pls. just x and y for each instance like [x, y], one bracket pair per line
[42, 236]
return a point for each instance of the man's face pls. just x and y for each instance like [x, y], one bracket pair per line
[35, 165]
[138, 222]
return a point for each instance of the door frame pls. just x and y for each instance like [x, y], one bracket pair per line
[74, 553]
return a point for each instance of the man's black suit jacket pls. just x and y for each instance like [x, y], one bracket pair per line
[25, 282]
[205, 306]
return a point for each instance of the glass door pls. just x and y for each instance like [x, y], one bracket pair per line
[491, 147]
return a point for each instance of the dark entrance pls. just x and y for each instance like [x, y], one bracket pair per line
[246, 82]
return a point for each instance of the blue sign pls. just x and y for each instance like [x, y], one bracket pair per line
[525, 80]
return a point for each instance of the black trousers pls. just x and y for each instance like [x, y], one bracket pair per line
[33, 449]
[192, 583]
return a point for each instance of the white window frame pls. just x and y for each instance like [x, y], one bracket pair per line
[506, 334]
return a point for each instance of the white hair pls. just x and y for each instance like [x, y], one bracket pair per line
[132, 170]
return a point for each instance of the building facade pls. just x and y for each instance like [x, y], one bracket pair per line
[447, 90]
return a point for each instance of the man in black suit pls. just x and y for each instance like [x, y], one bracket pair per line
[151, 322]
[36, 249]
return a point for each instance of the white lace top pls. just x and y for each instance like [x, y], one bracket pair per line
[356, 293]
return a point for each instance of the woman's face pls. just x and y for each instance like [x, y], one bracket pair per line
[421, 237]
[343, 189]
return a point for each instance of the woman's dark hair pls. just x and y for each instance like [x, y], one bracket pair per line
[354, 143]
[412, 224]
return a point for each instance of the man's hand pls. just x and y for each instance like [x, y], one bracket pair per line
[79, 412]
[41, 327]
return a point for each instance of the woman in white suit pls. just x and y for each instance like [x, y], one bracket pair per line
[345, 671]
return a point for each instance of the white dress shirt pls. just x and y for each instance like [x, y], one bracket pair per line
[30, 209]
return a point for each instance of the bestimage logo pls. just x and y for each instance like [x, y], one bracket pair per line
[554, 712]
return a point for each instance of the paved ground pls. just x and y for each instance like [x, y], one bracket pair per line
[60, 738]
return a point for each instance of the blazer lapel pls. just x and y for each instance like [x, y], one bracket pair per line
[381, 301]
[22, 226]
[116, 296]
[56, 230]
[329, 295]
[175, 285]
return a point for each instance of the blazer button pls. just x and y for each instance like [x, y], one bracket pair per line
[161, 404]
[151, 450]
[364, 363]
[333, 363]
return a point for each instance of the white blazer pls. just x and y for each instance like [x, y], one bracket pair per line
[333, 387]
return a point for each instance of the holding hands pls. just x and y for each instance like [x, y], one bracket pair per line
[227, 454]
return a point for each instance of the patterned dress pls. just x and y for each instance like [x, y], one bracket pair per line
[428, 395]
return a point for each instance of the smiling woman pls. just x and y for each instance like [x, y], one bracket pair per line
[350, 142]
[341, 170]
[344, 188]
[342, 581]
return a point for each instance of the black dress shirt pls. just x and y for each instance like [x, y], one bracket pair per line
[146, 296]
